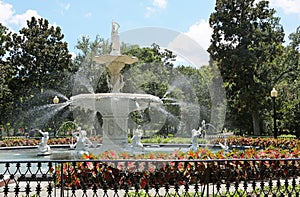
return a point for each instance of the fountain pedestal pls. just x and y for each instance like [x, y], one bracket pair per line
[114, 64]
[115, 111]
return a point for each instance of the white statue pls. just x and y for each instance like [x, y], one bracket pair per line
[43, 147]
[194, 139]
[115, 39]
[136, 139]
[82, 141]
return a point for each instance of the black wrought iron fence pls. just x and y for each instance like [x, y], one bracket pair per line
[240, 177]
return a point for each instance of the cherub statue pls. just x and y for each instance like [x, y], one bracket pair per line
[194, 139]
[136, 139]
[82, 141]
[43, 146]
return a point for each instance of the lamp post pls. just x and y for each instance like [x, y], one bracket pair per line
[55, 100]
[274, 95]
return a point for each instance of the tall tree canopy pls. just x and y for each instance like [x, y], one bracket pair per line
[5, 76]
[40, 60]
[246, 38]
[38, 52]
[289, 84]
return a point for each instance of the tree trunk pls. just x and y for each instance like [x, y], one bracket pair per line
[255, 122]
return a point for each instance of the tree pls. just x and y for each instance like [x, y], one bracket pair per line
[288, 86]
[151, 75]
[41, 61]
[90, 76]
[246, 38]
[5, 76]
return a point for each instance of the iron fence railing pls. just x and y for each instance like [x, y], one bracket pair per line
[236, 177]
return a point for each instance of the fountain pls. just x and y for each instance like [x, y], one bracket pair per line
[116, 106]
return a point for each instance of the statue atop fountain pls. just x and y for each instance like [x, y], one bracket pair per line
[136, 139]
[115, 39]
[44, 148]
[115, 61]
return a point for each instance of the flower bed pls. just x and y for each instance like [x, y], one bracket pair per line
[282, 143]
[34, 142]
[151, 170]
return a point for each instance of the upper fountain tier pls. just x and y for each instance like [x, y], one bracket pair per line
[115, 61]
[114, 64]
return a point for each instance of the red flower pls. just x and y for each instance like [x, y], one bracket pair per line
[143, 183]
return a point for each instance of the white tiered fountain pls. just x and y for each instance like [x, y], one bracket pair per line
[114, 107]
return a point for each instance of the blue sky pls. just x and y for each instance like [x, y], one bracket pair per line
[90, 17]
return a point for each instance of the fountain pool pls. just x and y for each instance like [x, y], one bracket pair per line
[26, 153]
[63, 152]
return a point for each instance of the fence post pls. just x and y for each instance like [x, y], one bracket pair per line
[62, 179]
[207, 174]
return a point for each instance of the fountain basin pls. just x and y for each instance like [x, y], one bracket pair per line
[115, 109]
[63, 152]
[116, 103]
[26, 153]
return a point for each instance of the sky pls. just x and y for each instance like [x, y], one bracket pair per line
[91, 17]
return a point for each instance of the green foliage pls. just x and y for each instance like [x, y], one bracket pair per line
[264, 143]
[44, 56]
[5, 77]
[246, 38]
[66, 128]
[286, 190]
[162, 140]
[90, 76]
[288, 101]
[40, 61]
[144, 194]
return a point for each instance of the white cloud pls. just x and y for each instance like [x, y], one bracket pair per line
[6, 12]
[88, 15]
[189, 50]
[288, 6]
[192, 46]
[160, 3]
[64, 7]
[149, 12]
[8, 16]
[67, 6]
[21, 19]
[156, 6]
[201, 33]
